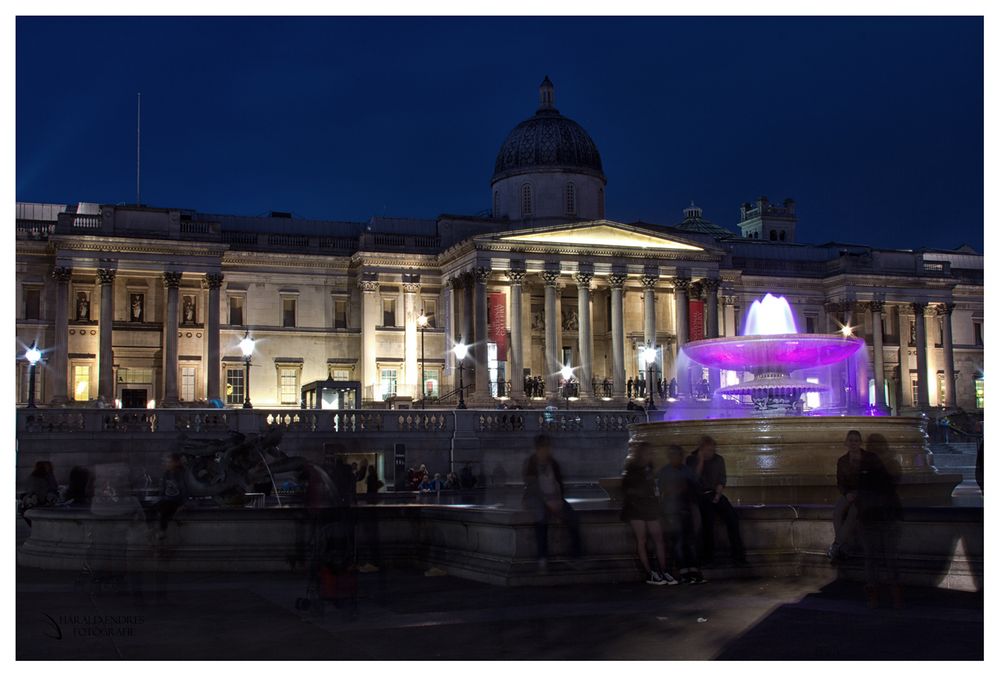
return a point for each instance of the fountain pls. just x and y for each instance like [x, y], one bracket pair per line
[775, 452]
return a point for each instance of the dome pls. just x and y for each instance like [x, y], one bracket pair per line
[548, 140]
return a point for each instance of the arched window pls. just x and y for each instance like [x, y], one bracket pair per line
[526, 206]
[496, 204]
[570, 199]
[774, 234]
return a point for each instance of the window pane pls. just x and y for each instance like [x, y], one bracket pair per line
[288, 313]
[289, 386]
[81, 382]
[388, 312]
[341, 374]
[430, 310]
[235, 310]
[187, 384]
[234, 386]
[388, 383]
[32, 304]
[340, 314]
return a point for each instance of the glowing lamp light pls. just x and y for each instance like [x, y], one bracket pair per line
[847, 331]
[247, 345]
[422, 321]
[33, 355]
[566, 372]
[649, 355]
[460, 350]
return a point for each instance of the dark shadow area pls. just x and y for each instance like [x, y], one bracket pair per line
[835, 624]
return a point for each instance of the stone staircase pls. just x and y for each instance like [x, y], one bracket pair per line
[955, 457]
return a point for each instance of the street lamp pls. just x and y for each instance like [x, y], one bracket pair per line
[461, 350]
[33, 355]
[567, 373]
[422, 324]
[649, 355]
[246, 346]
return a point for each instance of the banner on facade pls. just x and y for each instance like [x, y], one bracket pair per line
[497, 310]
[696, 320]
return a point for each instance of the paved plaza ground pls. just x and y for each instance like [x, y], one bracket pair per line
[404, 614]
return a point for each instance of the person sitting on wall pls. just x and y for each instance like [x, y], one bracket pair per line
[850, 467]
[544, 497]
[710, 469]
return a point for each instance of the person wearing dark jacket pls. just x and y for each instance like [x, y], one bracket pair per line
[679, 491]
[850, 468]
[544, 498]
[642, 511]
[710, 469]
[173, 492]
[878, 514]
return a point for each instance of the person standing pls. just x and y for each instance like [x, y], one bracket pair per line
[544, 498]
[710, 469]
[642, 512]
[678, 501]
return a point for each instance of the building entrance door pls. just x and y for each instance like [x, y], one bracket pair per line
[133, 398]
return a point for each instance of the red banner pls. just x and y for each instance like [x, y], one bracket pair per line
[696, 320]
[496, 309]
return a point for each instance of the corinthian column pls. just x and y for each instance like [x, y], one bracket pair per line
[681, 286]
[617, 284]
[480, 351]
[105, 366]
[410, 314]
[649, 309]
[516, 335]
[878, 359]
[369, 320]
[586, 338]
[60, 349]
[552, 365]
[213, 366]
[172, 281]
[920, 324]
[944, 312]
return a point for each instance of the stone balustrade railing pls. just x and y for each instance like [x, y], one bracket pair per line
[431, 421]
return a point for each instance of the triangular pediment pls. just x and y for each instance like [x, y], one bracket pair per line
[601, 234]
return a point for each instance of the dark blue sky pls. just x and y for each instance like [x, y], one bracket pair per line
[873, 125]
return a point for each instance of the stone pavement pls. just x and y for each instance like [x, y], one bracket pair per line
[407, 615]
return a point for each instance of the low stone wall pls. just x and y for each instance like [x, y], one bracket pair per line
[938, 546]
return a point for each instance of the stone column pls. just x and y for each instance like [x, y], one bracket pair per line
[105, 365]
[586, 337]
[467, 300]
[552, 365]
[878, 361]
[480, 351]
[681, 286]
[450, 329]
[58, 363]
[944, 312]
[214, 363]
[617, 284]
[649, 308]
[920, 325]
[516, 335]
[369, 320]
[711, 287]
[172, 281]
[410, 348]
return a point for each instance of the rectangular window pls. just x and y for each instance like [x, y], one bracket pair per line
[236, 310]
[289, 385]
[81, 382]
[388, 383]
[340, 314]
[32, 303]
[388, 312]
[22, 391]
[187, 384]
[430, 310]
[288, 312]
[940, 388]
[980, 385]
[341, 374]
[234, 386]
[977, 330]
[810, 325]
[432, 383]
[914, 391]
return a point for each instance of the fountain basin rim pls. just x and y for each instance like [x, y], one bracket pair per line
[799, 351]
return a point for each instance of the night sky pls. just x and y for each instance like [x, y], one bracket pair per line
[873, 125]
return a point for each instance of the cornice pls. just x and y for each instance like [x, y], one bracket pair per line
[120, 245]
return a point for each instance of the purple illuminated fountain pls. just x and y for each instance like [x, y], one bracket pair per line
[771, 350]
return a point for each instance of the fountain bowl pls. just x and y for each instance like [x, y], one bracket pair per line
[783, 353]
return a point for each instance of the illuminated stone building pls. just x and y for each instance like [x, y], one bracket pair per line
[141, 306]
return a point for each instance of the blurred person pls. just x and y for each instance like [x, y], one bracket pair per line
[173, 493]
[710, 469]
[879, 513]
[678, 501]
[42, 491]
[80, 489]
[544, 498]
[466, 477]
[642, 512]
[850, 466]
[452, 481]
[372, 485]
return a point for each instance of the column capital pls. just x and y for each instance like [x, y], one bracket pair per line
[482, 274]
[411, 287]
[918, 307]
[516, 277]
[648, 280]
[106, 275]
[214, 280]
[62, 274]
[861, 306]
[617, 280]
[682, 283]
[694, 290]
[171, 279]
[711, 284]
[945, 309]
[368, 285]
[550, 277]
[833, 306]
[583, 279]
[876, 305]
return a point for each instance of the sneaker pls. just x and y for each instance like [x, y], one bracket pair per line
[668, 579]
[655, 579]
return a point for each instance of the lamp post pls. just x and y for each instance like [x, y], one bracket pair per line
[649, 355]
[567, 373]
[246, 346]
[461, 350]
[422, 324]
[33, 355]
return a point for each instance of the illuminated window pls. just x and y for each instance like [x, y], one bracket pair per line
[940, 388]
[81, 382]
[234, 385]
[979, 393]
[388, 383]
[915, 391]
[341, 374]
[526, 202]
[289, 385]
[187, 384]
[431, 383]
[571, 199]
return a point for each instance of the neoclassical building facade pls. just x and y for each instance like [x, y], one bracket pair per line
[136, 306]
